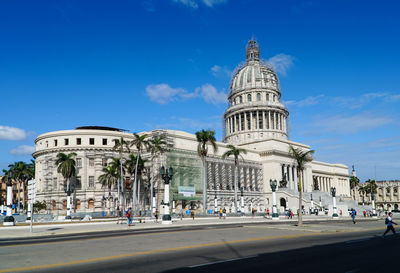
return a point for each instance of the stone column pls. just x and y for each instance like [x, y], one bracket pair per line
[245, 121]
[217, 177]
[296, 182]
[251, 120]
[264, 120]
[269, 120]
[258, 120]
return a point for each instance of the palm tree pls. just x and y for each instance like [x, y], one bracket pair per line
[140, 142]
[362, 190]
[204, 138]
[21, 174]
[66, 166]
[109, 177]
[121, 145]
[354, 182]
[370, 188]
[237, 154]
[301, 157]
[157, 145]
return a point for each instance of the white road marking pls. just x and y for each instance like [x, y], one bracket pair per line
[223, 261]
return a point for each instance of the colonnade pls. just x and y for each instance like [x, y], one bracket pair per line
[255, 120]
[324, 183]
[220, 176]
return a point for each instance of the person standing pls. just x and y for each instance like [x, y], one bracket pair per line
[224, 213]
[192, 213]
[353, 215]
[129, 215]
[389, 223]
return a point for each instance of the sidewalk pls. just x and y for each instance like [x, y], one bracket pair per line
[40, 229]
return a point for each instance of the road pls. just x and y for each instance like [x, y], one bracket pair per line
[317, 247]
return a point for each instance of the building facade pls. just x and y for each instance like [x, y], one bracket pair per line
[387, 196]
[255, 120]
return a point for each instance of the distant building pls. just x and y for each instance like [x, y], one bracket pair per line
[255, 120]
[387, 197]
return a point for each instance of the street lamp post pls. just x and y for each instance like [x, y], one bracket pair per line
[241, 201]
[275, 215]
[9, 219]
[312, 205]
[215, 204]
[167, 177]
[153, 209]
[69, 190]
[373, 205]
[333, 191]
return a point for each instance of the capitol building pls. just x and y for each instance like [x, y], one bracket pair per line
[255, 120]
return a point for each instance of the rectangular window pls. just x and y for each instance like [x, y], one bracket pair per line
[55, 142]
[91, 181]
[78, 183]
[104, 162]
[104, 141]
[78, 141]
[91, 162]
[66, 141]
[79, 162]
[91, 141]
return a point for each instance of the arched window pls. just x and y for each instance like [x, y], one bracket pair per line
[249, 97]
[258, 96]
[267, 97]
[90, 204]
[78, 204]
[241, 99]
[54, 204]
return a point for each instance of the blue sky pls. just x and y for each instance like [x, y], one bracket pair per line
[142, 65]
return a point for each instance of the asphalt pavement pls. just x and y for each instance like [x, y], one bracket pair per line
[190, 245]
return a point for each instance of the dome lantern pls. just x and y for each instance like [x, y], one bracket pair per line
[252, 51]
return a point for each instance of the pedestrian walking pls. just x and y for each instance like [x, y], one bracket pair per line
[156, 215]
[220, 213]
[224, 213]
[267, 212]
[129, 215]
[353, 215]
[389, 223]
[192, 214]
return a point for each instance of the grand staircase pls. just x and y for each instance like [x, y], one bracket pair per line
[326, 200]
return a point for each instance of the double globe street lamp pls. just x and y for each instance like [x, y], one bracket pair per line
[9, 219]
[333, 191]
[69, 189]
[273, 184]
[166, 175]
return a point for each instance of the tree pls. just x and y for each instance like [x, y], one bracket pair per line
[370, 187]
[121, 145]
[66, 166]
[38, 206]
[237, 154]
[354, 182]
[157, 145]
[140, 142]
[362, 190]
[109, 177]
[301, 157]
[205, 138]
[21, 173]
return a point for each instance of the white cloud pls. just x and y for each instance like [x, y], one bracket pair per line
[11, 133]
[195, 3]
[211, 95]
[310, 100]
[350, 124]
[23, 150]
[211, 3]
[219, 71]
[163, 93]
[281, 62]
